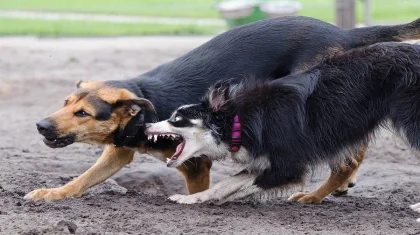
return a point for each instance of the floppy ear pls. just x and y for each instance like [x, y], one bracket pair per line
[220, 93]
[129, 134]
[134, 106]
[304, 84]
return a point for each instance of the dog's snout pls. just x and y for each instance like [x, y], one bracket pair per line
[45, 127]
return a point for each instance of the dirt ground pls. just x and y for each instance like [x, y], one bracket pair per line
[35, 77]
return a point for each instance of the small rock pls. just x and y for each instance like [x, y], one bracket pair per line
[18, 204]
[69, 225]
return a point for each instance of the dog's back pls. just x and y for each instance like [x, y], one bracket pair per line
[339, 103]
[281, 44]
[266, 49]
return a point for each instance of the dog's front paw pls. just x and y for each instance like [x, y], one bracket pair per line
[416, 208]
[186, 199]
[305, 198]
[51, 194]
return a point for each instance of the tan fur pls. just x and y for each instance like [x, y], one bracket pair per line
[89, 130]
[352, 179]
[319, 58]
[335, 180]
[196, 173]
[111, 161]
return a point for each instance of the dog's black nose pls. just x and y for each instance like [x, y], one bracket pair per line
[45, 127]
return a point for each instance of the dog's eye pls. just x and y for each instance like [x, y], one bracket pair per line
[81, 113]
[178, 118]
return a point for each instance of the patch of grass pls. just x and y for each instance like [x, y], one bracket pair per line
[382, 10]
[167, 8]
[9, 26]
[392, 11]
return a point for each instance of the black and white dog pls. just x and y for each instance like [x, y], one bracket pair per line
[281, 129]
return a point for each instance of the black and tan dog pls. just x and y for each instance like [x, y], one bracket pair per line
[113, 113]
[280, 130]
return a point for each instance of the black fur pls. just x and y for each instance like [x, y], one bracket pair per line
[103, 110]
[267, 49]
[303, 120]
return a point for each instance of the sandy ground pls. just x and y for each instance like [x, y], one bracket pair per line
[36, 75]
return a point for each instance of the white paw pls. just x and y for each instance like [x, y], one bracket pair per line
[416, 208]
[186, 199]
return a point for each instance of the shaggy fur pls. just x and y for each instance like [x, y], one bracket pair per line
[300, 121]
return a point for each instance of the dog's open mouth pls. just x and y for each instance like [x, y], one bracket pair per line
[59, 142]
[174, 140]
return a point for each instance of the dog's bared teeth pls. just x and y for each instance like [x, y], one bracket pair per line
[150, 137]
[155, 137]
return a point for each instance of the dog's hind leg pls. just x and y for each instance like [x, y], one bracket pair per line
[237, 186]
[351, 181]
[111, 161]
[196, 172]
[335, 180]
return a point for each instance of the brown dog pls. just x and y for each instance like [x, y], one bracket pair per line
[78, 121]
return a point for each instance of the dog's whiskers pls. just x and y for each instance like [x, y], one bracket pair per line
[185, 165]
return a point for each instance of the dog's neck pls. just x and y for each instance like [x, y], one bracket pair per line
[236, 141]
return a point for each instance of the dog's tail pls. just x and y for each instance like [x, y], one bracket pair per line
[395, 33]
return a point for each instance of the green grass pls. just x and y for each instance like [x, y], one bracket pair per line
[383, 10]
[168, 8]
[77, 28]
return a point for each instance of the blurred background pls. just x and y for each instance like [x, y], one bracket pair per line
[185, 17]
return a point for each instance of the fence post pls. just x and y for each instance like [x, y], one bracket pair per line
[368, 13]
[346, 13]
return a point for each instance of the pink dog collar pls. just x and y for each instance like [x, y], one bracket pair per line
[236, 135]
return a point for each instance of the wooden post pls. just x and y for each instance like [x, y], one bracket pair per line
[368, 13]
[346, 13]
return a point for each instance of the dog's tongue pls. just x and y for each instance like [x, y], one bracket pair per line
[172, 161]
[177, 152]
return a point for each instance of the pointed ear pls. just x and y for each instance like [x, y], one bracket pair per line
[220, 93]
[78, 83]
[135, 105]
[88, 84]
